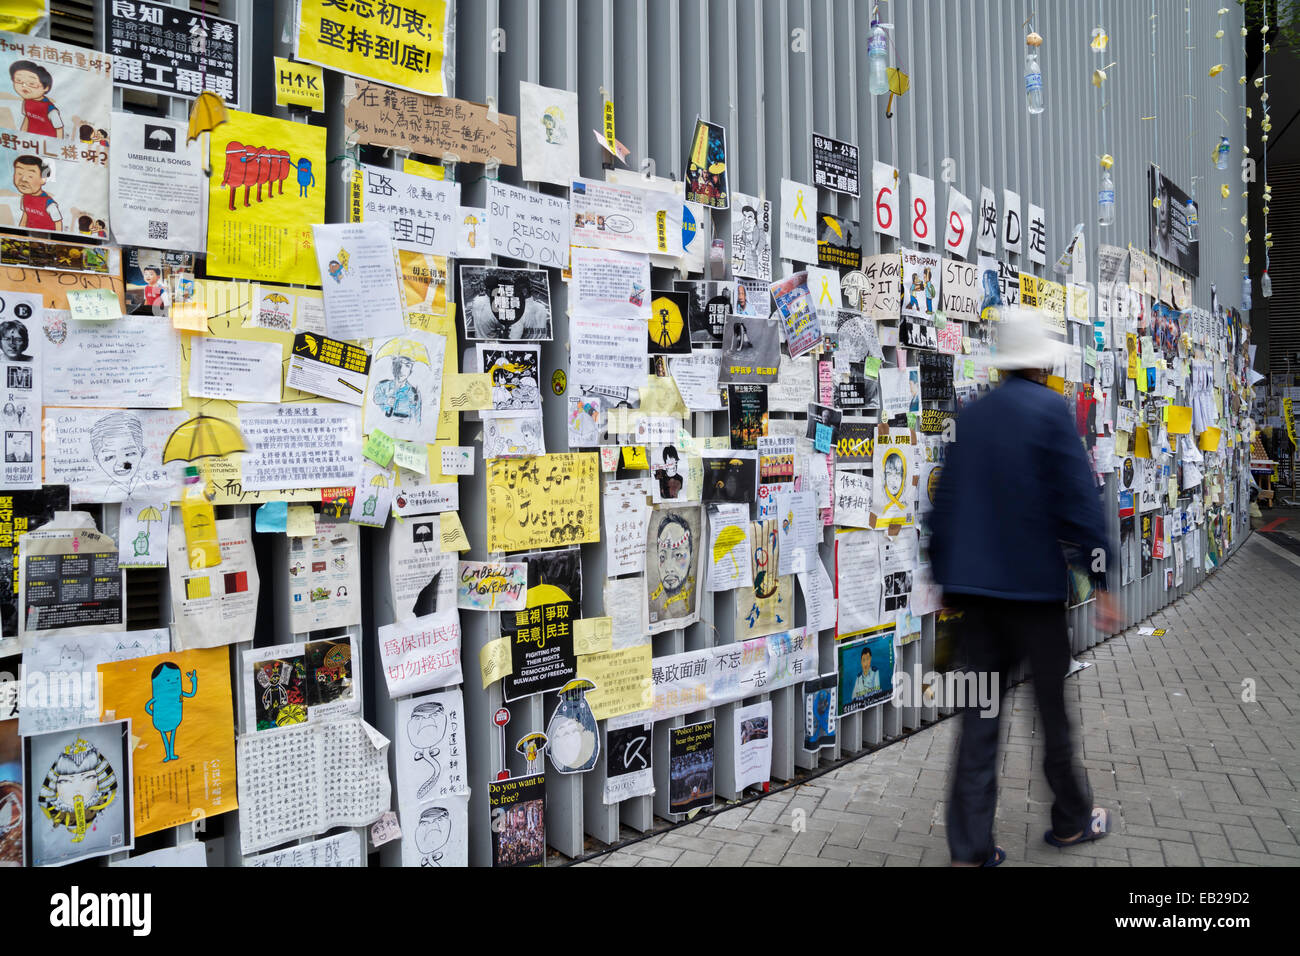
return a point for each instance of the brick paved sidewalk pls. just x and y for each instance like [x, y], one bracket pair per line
[1195, 775]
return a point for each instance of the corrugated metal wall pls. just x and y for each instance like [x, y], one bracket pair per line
[773, 73]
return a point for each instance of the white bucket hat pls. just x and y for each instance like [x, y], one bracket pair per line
[1022, 341]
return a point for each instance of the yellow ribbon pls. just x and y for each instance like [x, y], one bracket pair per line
[826, 292]
[798, 207]
[893, 499]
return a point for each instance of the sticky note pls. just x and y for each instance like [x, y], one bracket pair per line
[427, 170]
[1056, 384]
[411, 456]
[1121, 443]
[965, 344]
[593, 635]
[871, 366]
[451, 532]
[968, 369]
[1180, 419]
[1141, 443]
[911, 420]
[380, 448]
[301, 522]
[822, 442]
[457, 459]
[467, 393]
[272, 516]
[1209, 440]
[94, 305]
[189, 316]
[494, 660]
[634, 457]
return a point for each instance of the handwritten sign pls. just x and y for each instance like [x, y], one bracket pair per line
[530, 226]
[429, 125]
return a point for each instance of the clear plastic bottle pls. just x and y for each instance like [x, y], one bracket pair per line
[1221, 153]
[1245, 291]
[877, 57]
[1033, 74]
[1266, 285]
[1106, 200]
[1193, 221]
[200, 522]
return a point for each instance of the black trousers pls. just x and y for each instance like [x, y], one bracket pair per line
[996, 636]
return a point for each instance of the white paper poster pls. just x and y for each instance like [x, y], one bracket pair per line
[607, 351]
[696, 377]
[548, 134]
[884, 199]
[857, 582]
[1012, 225]
[987, 230]
[422, 576]
[132, 362]
[142, 533]
[852, 499]
[235, 370]
[751, 237]
[218, 605]
[798, 222]
[299, 683]
[625, 522]
[359, 279]
[21, 349]
[404, 390]
[608, 216]
[432, 778]
[341, 850]
[156, 184]
[610, 283]
[421, 654]
[729, 564]
[107, 455]
[921, 284]
[753, 744]
[799, 531]
[308, 445]
[325, 577]
[528, 225]
[921, 193]
[628, 756]
[960, 226]
[1037, 235]
[419, 214]
[818, 597]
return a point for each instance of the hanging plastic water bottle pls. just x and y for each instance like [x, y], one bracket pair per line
[1266, 285]
[1033, 74]
[877, 57]
[1106, 198]
[1221, 153]
[1193, 223]
[1245, 290]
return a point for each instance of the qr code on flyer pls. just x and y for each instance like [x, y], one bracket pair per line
[157, 230]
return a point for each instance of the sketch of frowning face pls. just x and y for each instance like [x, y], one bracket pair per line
[674, 541]
[117, 442]
[433, 831]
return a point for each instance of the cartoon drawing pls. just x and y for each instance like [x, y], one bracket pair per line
[573, 742]
[552, 123]
[918, 285]
[32, 84]
[80, 785]
[398, 396]
[117, 444]
[40, 211]
[305, 176]
[767, 583]
[13, 344]
[670, 483]
[330, 666]
[141, 543]
[425, 729]
[259, 166]
[338, 266]
[929, 291]
[431, 834]
[166, 704]
[749, 246]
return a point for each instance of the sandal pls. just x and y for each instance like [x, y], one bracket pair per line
[1096, 829]
[999, 857]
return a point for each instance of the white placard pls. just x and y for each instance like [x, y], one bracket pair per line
[235, 370]
[156, 184]
[526, 225]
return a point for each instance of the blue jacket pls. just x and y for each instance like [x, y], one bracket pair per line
[1015, 484]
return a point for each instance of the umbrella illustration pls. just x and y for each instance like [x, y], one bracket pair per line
[407, 348]
[531, 747]
[472, 239]
[203, 436]
[378, 481]
[899, 83]
[275, 298]
[161, 136]
[728, 538]
[207, 112]
[147, 515]
[834, 225]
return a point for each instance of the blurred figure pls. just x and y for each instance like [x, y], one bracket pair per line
[1015, 485]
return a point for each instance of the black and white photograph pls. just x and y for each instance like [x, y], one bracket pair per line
[506, 305]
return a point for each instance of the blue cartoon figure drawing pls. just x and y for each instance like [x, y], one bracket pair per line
[305, 176]
[166, 705]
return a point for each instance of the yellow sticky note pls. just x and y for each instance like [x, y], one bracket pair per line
[1134, 360]
[412, 456]
[301, 522]
[1209, 440]
[189, 316]
[299, 84]
[617, 421]
[965, 345]
[634, 457]
[427, 170]
[623, 681]
[660, 397]
[380, 448]
[494, 660]
[717, 442]
[1141, 443]
[1141, 380]
[452, 532]
[468, 393]
[1121, 443]
[593, 635]
[1056, 384]
[1180, 419]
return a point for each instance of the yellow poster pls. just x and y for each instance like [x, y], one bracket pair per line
[299, 84]
[183, 725]
[548, 501]
[19, 16]
[623, 681]
[267, 188]
[398, 44]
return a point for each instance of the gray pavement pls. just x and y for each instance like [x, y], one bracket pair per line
[1195, 775]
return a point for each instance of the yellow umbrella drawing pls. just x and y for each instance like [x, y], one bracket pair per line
[379, 481]
[472, 238]
[406, 348]
[834, 225]
[207, 112]
[203, 436]
[899, 83]
[276, 298]
[728, 538]
[149, 515]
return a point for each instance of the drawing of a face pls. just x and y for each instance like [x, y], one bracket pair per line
[27, 84]
[29, 175]
[402, 368]
[117, 442]
[895, 471]
[13, 342]
[675, 546]
[748, 222]
[432, 833]
[427, 725]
